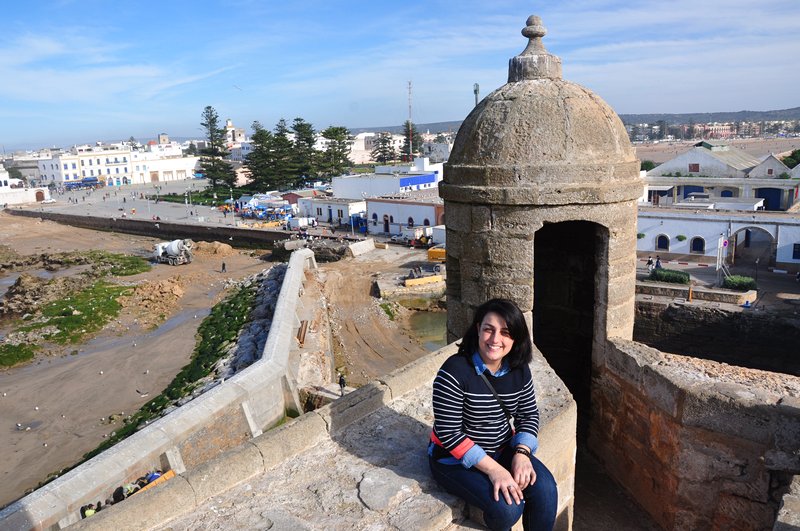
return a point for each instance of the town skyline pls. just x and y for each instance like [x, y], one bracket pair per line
[85, 72]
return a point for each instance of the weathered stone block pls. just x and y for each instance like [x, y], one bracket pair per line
[354, 406]
[225, 472]
[290, 439]
[661, 392]
[459, 218]
[734, 512]
[481, 219]
[410, 377]
[705, 407]
[710, 456]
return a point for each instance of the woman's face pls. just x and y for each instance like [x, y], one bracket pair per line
[494, 340]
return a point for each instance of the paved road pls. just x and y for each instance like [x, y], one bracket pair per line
[113, 202]
[775, 290]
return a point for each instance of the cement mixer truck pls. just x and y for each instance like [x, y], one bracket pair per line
[176, 252]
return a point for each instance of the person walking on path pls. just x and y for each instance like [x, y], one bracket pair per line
[658, 262]
[224, 269]
[475, 452]
[649, 264]
[342, 384]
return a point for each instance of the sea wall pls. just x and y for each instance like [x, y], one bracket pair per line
[236, 236]
[696, 447]
[221, 419]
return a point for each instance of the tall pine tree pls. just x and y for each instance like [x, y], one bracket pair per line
[336, 158]
[304, 152]
[212, 163]
[383, 150]
[259, 161]
[283, 157]
[410, 133]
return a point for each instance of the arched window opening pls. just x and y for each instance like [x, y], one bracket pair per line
[662, 243]
[698, 245]
[427, 222]
[410, 221]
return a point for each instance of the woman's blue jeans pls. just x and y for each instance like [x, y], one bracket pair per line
[538, 510]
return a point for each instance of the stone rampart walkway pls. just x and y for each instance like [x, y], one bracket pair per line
[368, 473]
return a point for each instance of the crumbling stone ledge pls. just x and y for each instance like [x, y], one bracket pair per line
[700, 444]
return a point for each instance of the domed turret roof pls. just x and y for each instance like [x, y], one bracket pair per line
[539, 139]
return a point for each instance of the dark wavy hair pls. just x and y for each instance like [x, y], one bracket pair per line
[521, 352]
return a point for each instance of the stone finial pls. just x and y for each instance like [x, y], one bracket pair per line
[534, 62]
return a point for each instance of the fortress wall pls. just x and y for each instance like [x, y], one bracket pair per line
[747, 338]
[198, 432]
[411, 383]
[166, 230]
[696, 450]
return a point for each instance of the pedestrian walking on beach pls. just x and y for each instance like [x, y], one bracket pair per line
[342, 384]
[224, 269]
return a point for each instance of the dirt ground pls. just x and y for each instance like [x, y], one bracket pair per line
[758, 147]
[367, 344]
[67, 400]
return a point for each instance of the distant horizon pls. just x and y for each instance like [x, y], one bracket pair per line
[143, 139]
[68, 79]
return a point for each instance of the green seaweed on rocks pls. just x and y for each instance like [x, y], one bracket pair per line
[10, 355]
[81, 314]
[217, 331]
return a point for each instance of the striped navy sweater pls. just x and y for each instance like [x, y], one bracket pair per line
[466, 414]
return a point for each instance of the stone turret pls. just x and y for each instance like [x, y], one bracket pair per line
[542, 172]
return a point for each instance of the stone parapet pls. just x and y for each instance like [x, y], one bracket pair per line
[358, 462]
[697, 448]
[225, 417]
[362, 247]
[662, 289]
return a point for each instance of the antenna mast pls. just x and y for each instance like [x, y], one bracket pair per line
[410, 128]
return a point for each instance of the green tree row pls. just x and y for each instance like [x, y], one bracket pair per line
[277, 161]
[383, 151]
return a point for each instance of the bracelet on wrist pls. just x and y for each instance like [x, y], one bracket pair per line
[523, 451]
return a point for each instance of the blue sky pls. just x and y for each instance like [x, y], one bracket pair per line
[74, 71]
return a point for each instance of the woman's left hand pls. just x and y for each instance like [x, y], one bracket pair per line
[522, 471]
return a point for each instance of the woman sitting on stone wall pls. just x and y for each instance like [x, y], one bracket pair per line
[475, 453]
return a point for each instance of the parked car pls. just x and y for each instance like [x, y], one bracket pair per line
[48, 201]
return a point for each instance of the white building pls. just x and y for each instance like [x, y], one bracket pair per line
[364, 143]
[116, 165]
[240, 152]
[724, 171]
[148, 167]
[14, 192]
[389, 180]
[331, 210]
[387, 215]
[771, 237]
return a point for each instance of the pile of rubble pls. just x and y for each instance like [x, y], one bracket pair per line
[154, 301]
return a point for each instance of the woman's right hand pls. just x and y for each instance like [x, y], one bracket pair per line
[502, 481]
